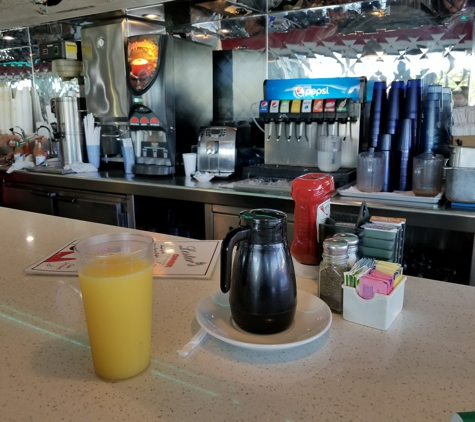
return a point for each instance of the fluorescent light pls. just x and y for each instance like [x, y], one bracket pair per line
[151, 16]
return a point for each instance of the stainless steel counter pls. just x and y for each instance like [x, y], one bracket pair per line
[215, 196]
[183, 188]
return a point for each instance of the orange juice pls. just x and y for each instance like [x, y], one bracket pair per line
[117, 297]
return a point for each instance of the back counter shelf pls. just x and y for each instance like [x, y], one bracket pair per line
[433, 236]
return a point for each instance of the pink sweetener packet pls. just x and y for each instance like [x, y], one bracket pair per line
[379, 275]
[369, 286]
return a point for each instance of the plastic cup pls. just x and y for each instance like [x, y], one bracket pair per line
[189, 160]
[128, 155]
[93, 155]
[370, 171]
[329, 153]
[427, 174]
[115, 274]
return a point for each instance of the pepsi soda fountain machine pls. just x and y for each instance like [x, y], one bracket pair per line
[297, 111]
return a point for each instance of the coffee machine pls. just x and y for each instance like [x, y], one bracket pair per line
[139, 78]
[297, 111]
[217, 150]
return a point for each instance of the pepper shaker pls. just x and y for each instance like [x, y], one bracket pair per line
[331, 272]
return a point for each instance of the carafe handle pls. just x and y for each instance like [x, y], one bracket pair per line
[231, 239]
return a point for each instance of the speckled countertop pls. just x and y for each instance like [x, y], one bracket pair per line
[421, 369]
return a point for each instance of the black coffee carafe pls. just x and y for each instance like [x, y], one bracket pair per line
[263, 290]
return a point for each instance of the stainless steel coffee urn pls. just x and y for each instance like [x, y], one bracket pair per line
[70, 130]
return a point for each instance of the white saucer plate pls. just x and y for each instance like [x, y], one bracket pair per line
[312, 319]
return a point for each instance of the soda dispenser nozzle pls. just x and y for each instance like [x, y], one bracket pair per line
[295, 118]
[329, 114]
[306, 117]
[342, 106]
[273, 116]
[271, 125]
[264, 110]
[317, 115]
[290, 133]
[284, 111]
[279, 130]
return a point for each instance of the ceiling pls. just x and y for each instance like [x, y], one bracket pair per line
[21, 13]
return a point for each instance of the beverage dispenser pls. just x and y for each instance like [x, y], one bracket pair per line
[297, 111]
[152, 125]
[69, 129]
[142, 80]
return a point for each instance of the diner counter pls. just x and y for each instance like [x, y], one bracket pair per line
[218, 192]
[421, 369]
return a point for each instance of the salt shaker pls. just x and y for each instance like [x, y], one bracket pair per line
[331, 273]
[352, 240]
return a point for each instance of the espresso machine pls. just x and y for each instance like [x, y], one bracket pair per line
[297, 111]
[145, 81]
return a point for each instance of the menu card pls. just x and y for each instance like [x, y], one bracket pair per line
[172, 259]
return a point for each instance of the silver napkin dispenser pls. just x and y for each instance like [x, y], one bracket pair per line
[217, 150]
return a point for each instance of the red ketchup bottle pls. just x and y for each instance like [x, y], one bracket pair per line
[311, 194]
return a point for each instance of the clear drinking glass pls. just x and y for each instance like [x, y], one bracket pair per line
[115, 274]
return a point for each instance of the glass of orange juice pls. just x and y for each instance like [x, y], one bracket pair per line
[115, 274]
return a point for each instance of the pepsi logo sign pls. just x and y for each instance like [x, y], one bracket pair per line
[301, 92]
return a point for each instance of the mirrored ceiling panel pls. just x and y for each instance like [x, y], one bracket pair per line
[382, 41]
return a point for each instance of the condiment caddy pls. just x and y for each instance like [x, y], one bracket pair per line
[373, 293]
[378, 312]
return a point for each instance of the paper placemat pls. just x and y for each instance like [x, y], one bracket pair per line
[177, 259]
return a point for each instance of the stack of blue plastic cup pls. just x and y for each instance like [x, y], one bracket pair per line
[377, 112]
[403, 170]
[412, 109]
[430, 134]
[385, 146]
[395, 107]
[446, 129]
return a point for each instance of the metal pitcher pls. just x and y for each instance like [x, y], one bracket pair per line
[261, 278]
